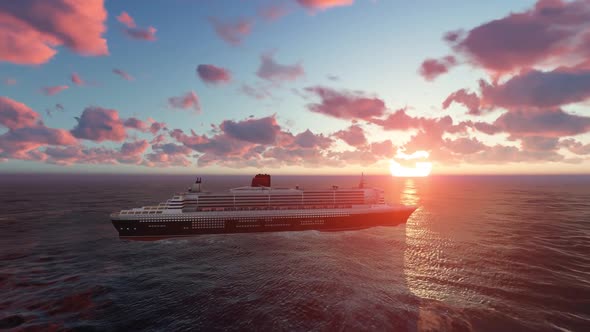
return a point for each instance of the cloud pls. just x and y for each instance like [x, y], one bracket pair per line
[382, 149]
[135, 32]
[324, 4]
[261, 131]
[58, 107]
[398, 120]
[32, 30]
[231, 32]
[213, 75]
[148, 33]
[468, 99]
[14, 114]
[255, 142]
[190, 100]
[308, 139]
[135, 123]
[537, 89]
[575, 146]
[272, 71]
[353, 136]
[123, 74]
[172, 149]
[53, 90]
[134, 148]
[128, 153]
[464, 145]
[256, 92]
[550, 31]
[160, 158]
[156, 126]
[502, 154]
[549, 123]
[126, 19]
[76, 79]
[18, 143]
[539, 143]
[432, 68]
[100, 124]
[486, 128]
[346, 104]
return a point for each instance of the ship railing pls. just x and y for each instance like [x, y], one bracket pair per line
[266, 208]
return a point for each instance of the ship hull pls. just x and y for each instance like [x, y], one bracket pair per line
[187, 225]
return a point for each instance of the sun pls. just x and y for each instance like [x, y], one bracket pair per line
[420, 168]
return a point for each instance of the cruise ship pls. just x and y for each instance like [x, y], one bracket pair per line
[261, 208]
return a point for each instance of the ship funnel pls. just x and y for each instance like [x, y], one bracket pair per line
[261, 180]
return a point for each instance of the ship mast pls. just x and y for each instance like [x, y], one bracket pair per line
[196, 187]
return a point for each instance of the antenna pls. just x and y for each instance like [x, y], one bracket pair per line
[362, 183]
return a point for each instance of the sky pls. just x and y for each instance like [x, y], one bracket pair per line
[294, 86]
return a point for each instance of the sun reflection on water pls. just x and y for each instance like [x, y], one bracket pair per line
[424, 249]
[409, 194]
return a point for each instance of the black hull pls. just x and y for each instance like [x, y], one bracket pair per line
[156, 229]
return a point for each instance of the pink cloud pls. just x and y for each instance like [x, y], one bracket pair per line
[353, 136]
[190, 100]
[537, 89]
[76, 79]
[539, 143]
[31, 30]
[550, 31]
[432, 68]
[17, 143]
[129, 153]
[272, 71]
[430, 130]
[231, 32]
[135, 32]
[53, 90]
[135, 123]
[100, 124]
[126, 19]
[160, 158]
[575, 146]
[123, 74]
[383, 148]
[468, 99]
[172, 149]
[500, 154]
[156, 126]
[14, 114]
[324, 4]
[308, 139]
[134, 148]
[10, 81]
[486, 128]
[464, 145]
[158, 139]
[346, 104]
[550, 123]
[261, 131]
[148, 33]
[213, 75]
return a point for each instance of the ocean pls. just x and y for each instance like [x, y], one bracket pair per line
[482, 253]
